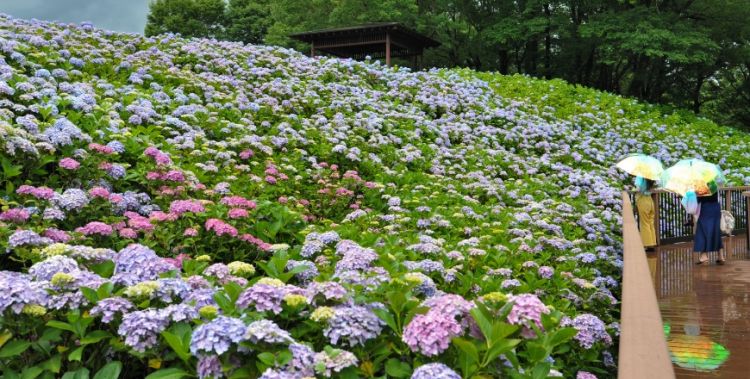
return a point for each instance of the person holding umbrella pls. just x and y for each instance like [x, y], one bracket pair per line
[697, 181]
[646, 169]
[646, 212]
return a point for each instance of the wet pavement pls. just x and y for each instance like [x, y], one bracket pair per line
[705, 309]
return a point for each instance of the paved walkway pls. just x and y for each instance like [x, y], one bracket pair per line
[705, 310]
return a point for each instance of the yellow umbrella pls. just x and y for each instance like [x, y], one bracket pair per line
[642, 165]
[692, 175]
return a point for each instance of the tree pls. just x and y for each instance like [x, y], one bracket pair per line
[247, 20]
[190, 18]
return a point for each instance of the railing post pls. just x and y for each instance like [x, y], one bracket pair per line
[747, 216]
[657, 229]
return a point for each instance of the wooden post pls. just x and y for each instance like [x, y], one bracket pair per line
[312, 49]
[747, 214]
[387, 49]
[728, 199]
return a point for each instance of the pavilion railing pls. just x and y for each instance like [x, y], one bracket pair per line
[643, 346]
[674, 224]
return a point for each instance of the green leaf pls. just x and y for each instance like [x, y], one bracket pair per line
[110, 371]
[175, 343]
[500, 330]
[95, 337]
[562, 336]
[31, 372]
[387, 317]
[541, 370]
[224, 303]
[104, 269]
[397, 369]
[90, 294]
[467, 348]
[233, 290]
[535, 352]
[76, 354]
[267, 358]
[53, 364]
[13, 348]
[61, 325]
[500, 347]
[105, 290]
[82, 373]
[485, 325]
[168, 373]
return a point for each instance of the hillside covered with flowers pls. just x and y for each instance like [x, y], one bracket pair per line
[179, 208]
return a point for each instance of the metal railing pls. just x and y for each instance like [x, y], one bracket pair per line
[673, 224]
[643, 346]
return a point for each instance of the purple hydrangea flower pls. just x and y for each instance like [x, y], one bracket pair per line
[590, 330]
[141, 329]
[353, 324]
[180, 312]
[44, 270]
[17, 291]
[217, 336]
[329, 290]
[27, 238]
[140, 261]
[267, 331]
[434, 371]
[111, 306]
[209, 367]
[306, 275]
[264, 297]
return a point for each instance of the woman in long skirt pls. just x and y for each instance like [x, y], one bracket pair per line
[646, 216]
[708, 229]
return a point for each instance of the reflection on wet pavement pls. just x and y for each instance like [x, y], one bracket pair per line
[705, 309]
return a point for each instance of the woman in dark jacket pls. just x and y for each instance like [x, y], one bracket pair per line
[708, 229]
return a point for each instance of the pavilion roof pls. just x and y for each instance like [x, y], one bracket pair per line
[367, 40]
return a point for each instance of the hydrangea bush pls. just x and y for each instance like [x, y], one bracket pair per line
[179, 208]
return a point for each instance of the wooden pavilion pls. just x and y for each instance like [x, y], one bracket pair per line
[379, 40]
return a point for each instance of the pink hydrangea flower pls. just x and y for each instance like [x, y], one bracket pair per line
[190, 232]
[43, 193]
[430, 334]
[128, 233]
[220, 227]
[138, 222]
[95, 227]
[527, 309]
[17, 215]
[101, 148]
[238, 202]
[178, 207]
[174, 176]
[57, 235]
[99, 192]
[69, 164]
[153, 175]
[235, 213]
[246, 154]
[585, 375]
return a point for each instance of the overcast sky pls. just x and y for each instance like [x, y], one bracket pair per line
[118, 15]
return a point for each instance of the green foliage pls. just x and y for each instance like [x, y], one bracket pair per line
[191, 18]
